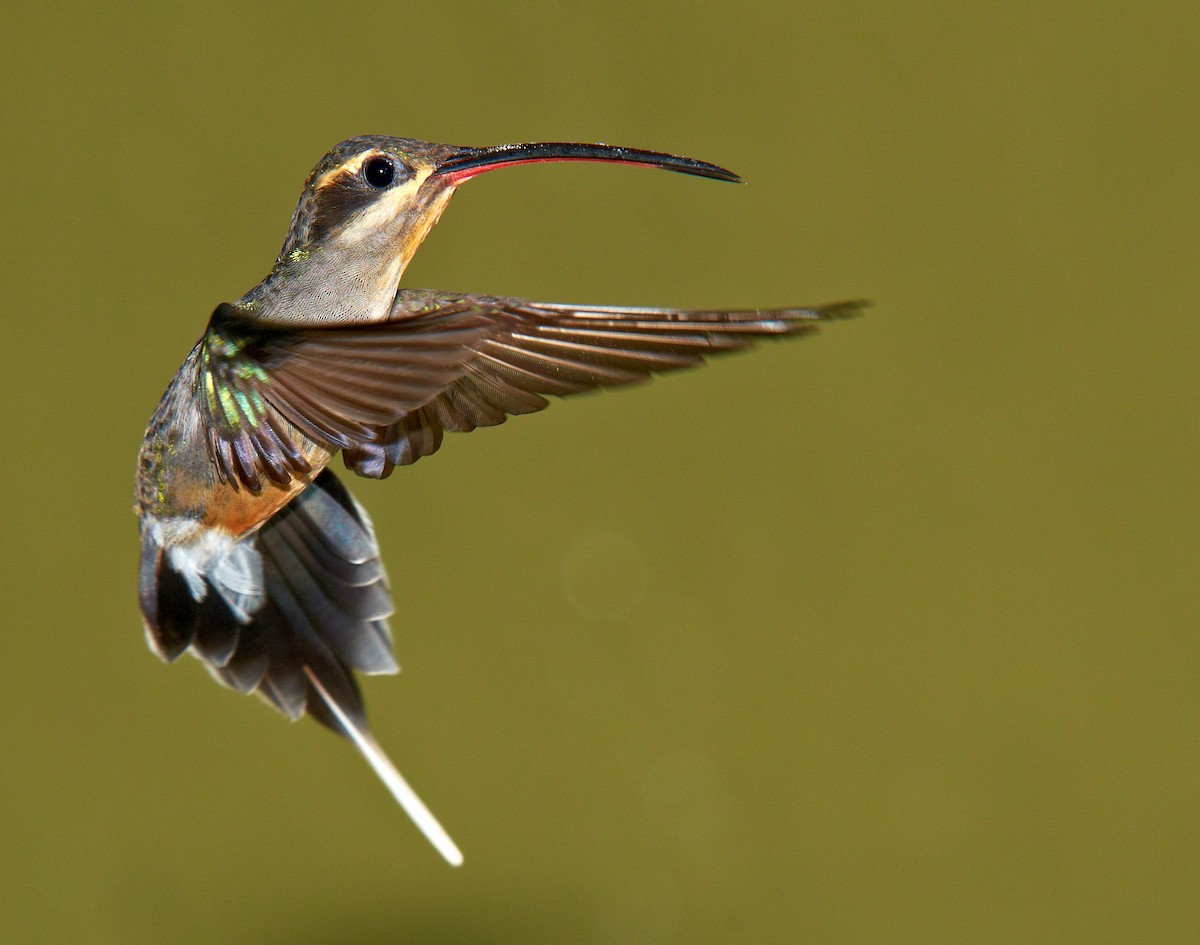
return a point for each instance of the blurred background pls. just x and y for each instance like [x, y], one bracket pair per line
[889, 634]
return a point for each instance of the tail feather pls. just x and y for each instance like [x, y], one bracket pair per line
[168, 610]
[405, 796]
[288, 614]
[352, 620]
[334, 568]
[218, 631]
[293, 644]
[247, 667]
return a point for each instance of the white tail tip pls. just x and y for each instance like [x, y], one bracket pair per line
[405, 796]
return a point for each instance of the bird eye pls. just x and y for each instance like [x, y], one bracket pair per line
[379, 172]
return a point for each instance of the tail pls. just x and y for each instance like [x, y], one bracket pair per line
[382, 765]
[288, 613]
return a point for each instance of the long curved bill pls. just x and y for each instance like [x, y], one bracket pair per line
[468, 162]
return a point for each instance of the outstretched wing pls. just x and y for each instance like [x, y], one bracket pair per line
[533, 350]
[265, 385]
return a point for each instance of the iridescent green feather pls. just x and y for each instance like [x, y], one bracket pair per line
[246, 440]
[229, 384]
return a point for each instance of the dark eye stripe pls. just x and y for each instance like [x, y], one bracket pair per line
[337, 200]
[350, 188]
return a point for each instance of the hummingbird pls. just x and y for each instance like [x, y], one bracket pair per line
[254, 556]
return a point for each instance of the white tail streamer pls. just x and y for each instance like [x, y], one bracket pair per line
[405, 796]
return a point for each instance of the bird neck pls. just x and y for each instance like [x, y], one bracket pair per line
[343, 279]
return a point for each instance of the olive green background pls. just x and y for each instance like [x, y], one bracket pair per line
[887, 635]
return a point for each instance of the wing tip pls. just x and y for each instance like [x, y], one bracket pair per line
[832, 311]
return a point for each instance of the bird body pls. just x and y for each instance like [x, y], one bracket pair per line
[254, 557]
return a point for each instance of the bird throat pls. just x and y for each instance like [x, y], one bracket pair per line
[351, 278]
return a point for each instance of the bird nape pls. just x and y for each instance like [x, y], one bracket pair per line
[255, 558]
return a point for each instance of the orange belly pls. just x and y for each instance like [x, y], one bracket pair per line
[238, 510]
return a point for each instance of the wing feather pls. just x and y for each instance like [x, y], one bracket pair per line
[266, 385]
[532, 351]
[384, 393]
